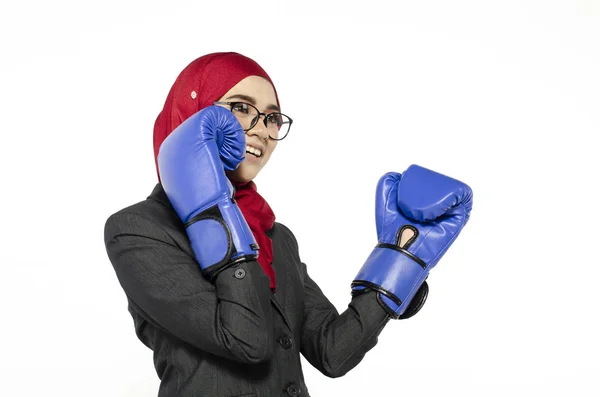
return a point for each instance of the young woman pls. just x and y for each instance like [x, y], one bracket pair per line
[215, 286]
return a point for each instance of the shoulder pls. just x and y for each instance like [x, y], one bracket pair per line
[281, 231]
[284, 231]
[283, 237]
[153, 217]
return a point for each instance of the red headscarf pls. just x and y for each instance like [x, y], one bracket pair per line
[201, 83]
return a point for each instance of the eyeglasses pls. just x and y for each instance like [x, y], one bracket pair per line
[277, 124]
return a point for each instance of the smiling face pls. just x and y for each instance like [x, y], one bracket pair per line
[258, 92]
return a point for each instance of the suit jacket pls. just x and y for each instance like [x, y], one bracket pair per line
[233, 337]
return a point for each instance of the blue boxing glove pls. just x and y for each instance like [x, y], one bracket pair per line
[419, 214]
[192, 161]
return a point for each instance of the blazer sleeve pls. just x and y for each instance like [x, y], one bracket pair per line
[231, 318]
[335, 343]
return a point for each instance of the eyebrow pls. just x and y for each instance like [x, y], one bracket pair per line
[253, 101]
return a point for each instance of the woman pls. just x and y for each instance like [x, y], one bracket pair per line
[232, 327]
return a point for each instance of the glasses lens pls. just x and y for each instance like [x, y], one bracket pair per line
[278, 125]
[245, 113]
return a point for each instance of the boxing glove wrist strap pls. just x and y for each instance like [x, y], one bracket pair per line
[392, 273]
[219, 238]
[403, 251]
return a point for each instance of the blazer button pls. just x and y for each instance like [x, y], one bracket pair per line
[240, 273]
[293, 390]
[285, 342]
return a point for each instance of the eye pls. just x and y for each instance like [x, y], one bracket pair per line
[240, 108]
[274, 120]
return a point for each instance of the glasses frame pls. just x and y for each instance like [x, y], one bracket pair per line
[255, 120]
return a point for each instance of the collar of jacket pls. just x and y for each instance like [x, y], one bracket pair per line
[158, 194]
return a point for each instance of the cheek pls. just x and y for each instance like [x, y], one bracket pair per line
[271, 149]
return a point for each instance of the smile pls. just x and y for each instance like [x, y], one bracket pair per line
[252, 150]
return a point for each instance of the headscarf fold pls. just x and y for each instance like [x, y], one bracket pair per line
[201, 83]
[260, 218]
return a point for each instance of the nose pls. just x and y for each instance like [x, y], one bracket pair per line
[260, 130]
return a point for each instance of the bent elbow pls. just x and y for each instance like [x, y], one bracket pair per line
[259, 355]
[335, 373]
[341, 367]
[257, 349]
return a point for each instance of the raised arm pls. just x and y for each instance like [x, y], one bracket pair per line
[230, 317]
[335, 343]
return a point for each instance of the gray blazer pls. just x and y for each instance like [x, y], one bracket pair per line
[233, 337]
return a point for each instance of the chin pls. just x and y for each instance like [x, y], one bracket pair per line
[244, 173]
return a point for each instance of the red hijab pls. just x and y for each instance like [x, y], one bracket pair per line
[201, 83]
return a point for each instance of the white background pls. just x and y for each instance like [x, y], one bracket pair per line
[504, 96]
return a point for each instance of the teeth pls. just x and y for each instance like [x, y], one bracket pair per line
[253, 150]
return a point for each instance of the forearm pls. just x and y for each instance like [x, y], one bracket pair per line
[339, 342]
[230, 318]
